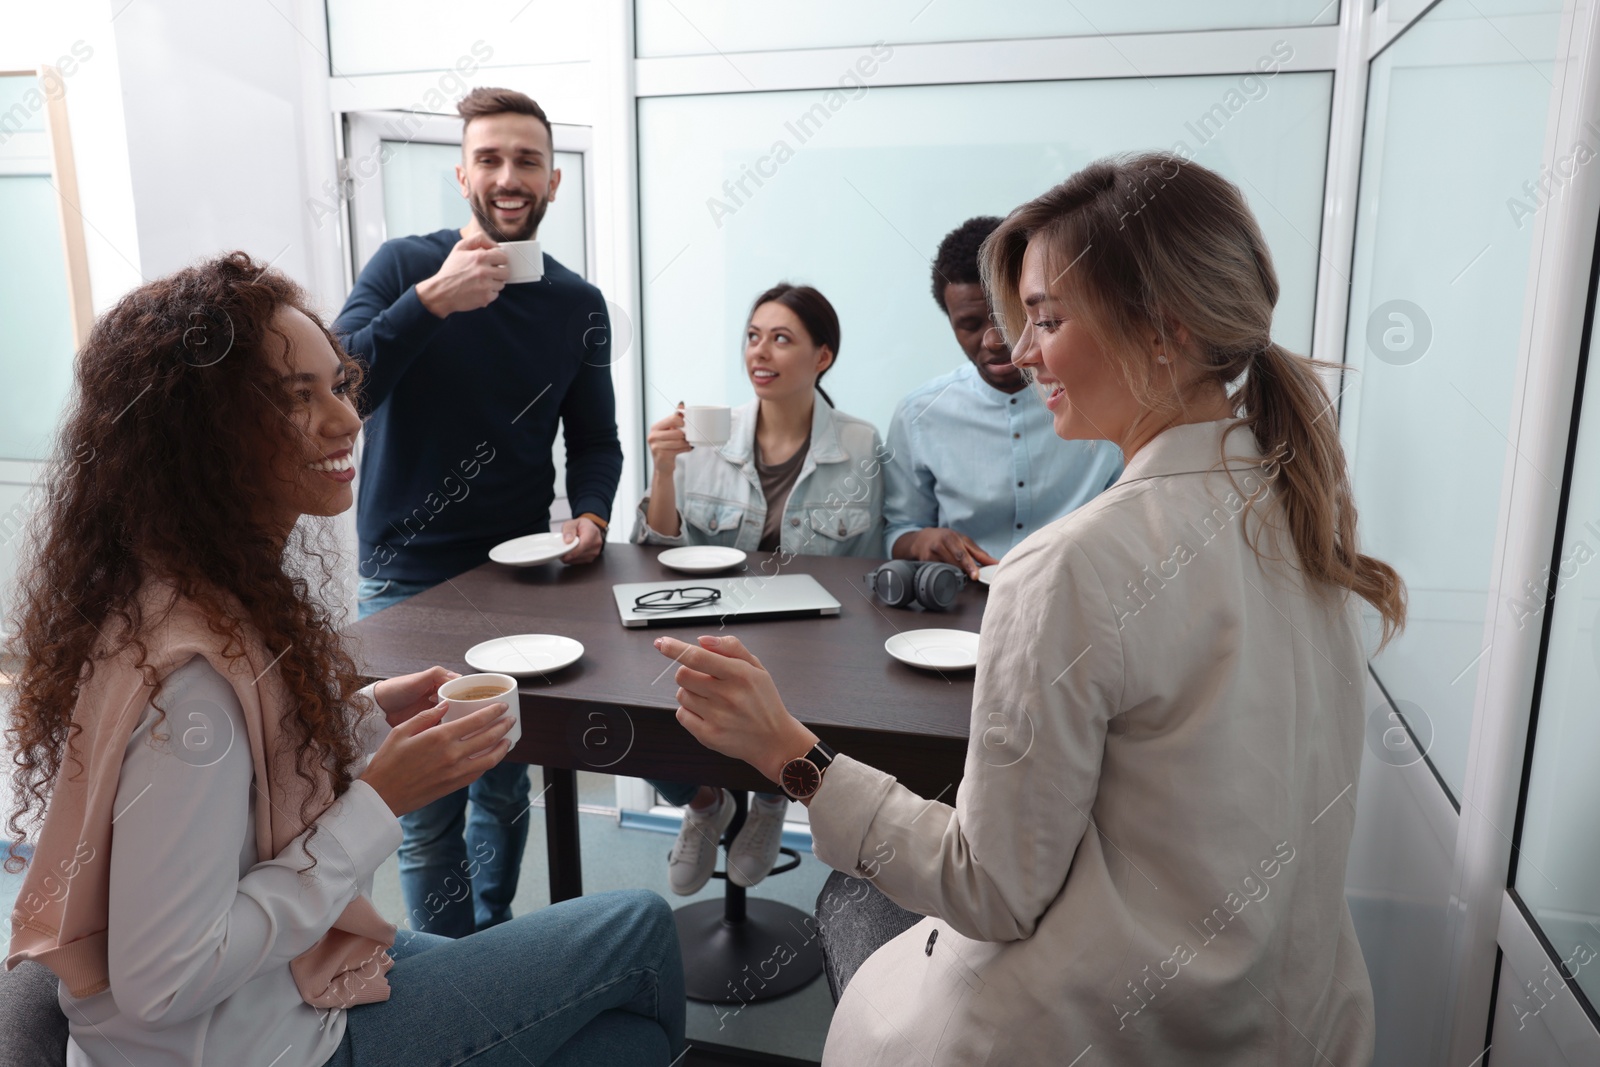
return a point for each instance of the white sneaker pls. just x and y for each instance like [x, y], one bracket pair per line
[755, 850]
[694, 854]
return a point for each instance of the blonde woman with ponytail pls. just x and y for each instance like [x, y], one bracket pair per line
[1146, 854]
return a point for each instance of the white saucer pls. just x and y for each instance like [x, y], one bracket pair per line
[986, 574]
[522, 655]
[935, 650]
[701, 559]
[532, 550]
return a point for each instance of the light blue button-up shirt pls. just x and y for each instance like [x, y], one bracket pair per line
[988, 464]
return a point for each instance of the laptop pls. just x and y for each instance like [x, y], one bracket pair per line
[748, 596]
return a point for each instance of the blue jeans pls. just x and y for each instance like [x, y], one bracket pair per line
[584, 983]
[375, 594]
[458, 872]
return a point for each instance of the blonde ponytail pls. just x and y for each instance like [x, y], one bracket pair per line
[1285, 404]
[1157, 243]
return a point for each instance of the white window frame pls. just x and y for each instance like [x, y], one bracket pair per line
[363, 191]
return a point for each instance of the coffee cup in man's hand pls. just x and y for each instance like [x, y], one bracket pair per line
[525, 259]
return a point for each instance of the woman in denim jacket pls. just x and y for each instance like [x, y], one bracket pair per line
[795, 477]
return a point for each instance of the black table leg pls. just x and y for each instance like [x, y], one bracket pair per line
[561, 833]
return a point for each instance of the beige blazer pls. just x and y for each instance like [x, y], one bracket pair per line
[1146, 854]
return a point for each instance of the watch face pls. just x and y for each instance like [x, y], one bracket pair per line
[801, 778]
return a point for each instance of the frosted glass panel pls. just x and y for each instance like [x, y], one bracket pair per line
[21, 105]
[1456, 120]
[36, 350]
[17, 505]
[1558, 867]
[420, 195]
[384, 36]
[700, 27]
[855, 201]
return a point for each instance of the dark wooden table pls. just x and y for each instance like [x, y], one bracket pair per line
[612, 711]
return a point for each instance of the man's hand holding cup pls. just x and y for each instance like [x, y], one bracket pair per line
[471, 277]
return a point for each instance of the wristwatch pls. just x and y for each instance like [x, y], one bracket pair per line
[598, 521]
[801, 777]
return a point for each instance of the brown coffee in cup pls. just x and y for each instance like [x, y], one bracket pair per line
[480, 692]
[471, 692]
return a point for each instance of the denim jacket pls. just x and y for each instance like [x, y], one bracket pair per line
[835, 508]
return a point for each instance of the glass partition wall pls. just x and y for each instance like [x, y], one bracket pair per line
[1453, 320]
[1456, 112]
[1557, 870]
[740, 191]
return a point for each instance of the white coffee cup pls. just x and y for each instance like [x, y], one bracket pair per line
[506, 691]
[527, 261]
[707, 424]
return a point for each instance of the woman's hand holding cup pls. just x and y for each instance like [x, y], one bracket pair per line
[425, 758]
[667, 441]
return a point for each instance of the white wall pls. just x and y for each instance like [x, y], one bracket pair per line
[227, 135]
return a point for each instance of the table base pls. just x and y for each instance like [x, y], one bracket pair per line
[767, 954]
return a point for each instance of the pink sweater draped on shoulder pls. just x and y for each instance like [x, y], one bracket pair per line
[60, 916]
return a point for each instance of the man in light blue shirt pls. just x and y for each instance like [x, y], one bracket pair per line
[975, 465]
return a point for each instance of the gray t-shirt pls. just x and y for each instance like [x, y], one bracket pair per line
[776, 481]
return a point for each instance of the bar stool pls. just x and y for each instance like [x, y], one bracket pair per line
[737, 950]
[33, 1031]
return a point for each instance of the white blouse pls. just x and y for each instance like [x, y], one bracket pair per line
[199, 946]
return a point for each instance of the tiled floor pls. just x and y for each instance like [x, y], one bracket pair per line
[614, 858]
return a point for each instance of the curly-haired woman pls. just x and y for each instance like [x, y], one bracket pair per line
[181, 680]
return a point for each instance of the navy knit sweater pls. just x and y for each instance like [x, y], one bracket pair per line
[462, 411]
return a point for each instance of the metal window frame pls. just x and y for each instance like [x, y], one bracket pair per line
[1139, 55]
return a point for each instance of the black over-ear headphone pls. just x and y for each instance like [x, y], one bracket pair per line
[900, 582]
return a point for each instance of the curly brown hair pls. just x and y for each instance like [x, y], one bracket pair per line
[164, 468]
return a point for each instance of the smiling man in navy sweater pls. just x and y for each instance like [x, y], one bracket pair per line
[467, 380]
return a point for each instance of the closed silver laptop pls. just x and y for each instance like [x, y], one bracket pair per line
[676, 601]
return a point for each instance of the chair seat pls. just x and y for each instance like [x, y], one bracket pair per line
[855, 920]
[35, 1031]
